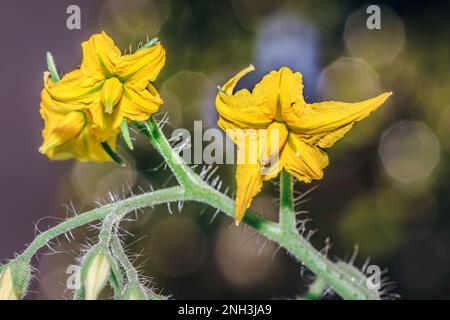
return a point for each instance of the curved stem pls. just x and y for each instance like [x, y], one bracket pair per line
[105, 241]
[295, 244]
[131, 273]
[121, 256]
[195, 189]
[107, 230]
[130, 204]
[183, 173]
[287, 237]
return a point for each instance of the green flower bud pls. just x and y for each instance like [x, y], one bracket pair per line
[7, 289]
[14, 280]
[95, 272]
[134, 291]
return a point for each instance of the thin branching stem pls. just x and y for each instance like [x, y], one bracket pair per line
[193, 188]
[129, 205]
[121, 256]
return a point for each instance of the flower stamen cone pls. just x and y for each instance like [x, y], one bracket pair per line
[111, 93]
[276, 105]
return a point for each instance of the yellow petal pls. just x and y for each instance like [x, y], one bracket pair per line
[279, 90]
[273, 142]
[138, 69]
[229, 86]
[100, 57]
[154, 93]
[145, 100]
[84, 147]
[111, 93]
[247, 140]
[258, 145]
[102, 122]
[138, 106]
[249, 183]
[88, 147]
[74, 91]
[330, 120]
[241, 108]
[250, 174]
[63, 131]
[303, 161]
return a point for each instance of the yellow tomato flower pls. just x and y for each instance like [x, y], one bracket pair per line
[87, 106]
[302, 129]
[111, 85]
[72, 135]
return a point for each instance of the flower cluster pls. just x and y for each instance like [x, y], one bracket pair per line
[86, 108]
[303, 129]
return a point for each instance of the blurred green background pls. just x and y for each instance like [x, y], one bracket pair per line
[385, 190]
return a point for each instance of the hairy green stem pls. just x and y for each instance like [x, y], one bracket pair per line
[131, 273]
[288, 238]
[193, 188]
[107, 230]
[183, 173]
[197, 189]
[316, 289]
[130, 204]
[287, 211]
[121, 256]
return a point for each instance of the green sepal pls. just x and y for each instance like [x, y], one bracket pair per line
[116, 278]
[126, 134]
[150, 43]
[54, 75]
[114, 156]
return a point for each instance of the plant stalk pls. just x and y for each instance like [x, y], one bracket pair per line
[193, 188]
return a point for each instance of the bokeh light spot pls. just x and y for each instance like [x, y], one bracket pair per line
[54, 273]
[374, 222]
[409, 151]
[347, 79]
[93, 181]
[374, 45]
[177, 246]
[285, 39]
[444, 126]
[134, 18]
[244, 263]
[190, 96]
[250, 12]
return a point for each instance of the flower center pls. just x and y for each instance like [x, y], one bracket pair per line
[276, 136]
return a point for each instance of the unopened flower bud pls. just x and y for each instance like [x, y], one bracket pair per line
[14, 280]
[95, 272]
[7, 288]
[134, 291]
